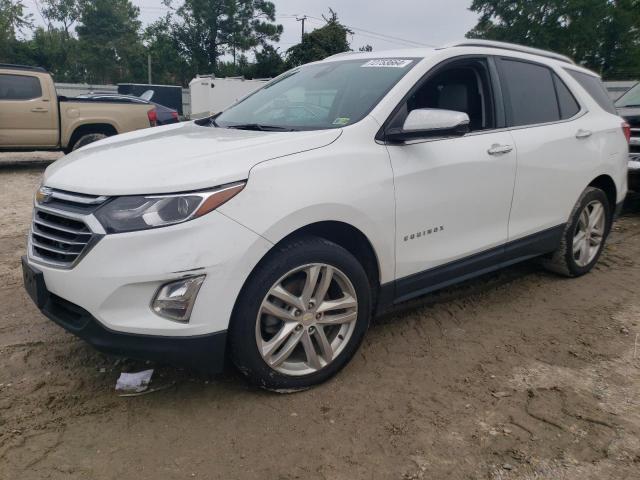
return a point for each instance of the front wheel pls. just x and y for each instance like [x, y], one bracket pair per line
[584, 236]
[301, 316]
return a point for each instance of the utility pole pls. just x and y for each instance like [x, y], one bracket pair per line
[149, 68]
[304, 17]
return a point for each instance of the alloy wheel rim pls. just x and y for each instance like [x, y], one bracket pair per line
[306, 319]
[589, 233]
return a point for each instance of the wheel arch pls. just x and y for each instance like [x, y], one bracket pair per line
[341, 233]
[348, 237]
[608, 186]
[89, 128]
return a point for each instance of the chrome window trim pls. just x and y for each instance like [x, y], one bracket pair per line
[580, 114]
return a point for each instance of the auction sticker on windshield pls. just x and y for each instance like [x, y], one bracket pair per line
[387, 63]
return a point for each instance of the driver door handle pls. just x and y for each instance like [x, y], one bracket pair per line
[583, 134]
[40, 110]
[497, 149]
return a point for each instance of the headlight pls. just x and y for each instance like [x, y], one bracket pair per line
[141, 212]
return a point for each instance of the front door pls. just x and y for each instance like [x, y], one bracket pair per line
[27, 112]
[453, 196]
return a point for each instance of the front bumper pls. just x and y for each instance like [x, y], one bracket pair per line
[117, 279]
[202, 352]
[106, 297]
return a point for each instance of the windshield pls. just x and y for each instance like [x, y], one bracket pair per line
[318, 96]
[630, 99]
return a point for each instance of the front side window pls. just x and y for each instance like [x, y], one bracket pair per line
[530, 92]
[631, 99]
[462, 86]
[19, 87]
[318, 96]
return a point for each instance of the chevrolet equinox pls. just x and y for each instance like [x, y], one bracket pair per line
[272, 232]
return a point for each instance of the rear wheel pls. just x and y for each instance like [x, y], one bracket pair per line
[301, 317]
[585, 235]
[87, 139]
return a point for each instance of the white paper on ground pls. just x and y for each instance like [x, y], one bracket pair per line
[134, 382]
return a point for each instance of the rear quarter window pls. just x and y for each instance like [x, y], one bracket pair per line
[595, 89]
[19, 87]
[569, 106]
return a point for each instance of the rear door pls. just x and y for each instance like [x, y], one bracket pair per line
[557, 150]
[28, 111]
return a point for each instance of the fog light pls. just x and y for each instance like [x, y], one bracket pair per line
[175, 300]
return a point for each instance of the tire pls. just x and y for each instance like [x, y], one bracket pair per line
[291, 267]
[565, 260]
[87, 139]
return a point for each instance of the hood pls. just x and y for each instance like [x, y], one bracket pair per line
[631, 115]
[175, 158]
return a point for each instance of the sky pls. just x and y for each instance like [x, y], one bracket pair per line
[382, 24]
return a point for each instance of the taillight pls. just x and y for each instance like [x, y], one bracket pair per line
[174, 115]
[626, 128]
[153, 117]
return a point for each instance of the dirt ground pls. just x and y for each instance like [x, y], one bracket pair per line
[518, 375]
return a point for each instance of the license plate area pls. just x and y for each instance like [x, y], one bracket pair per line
[34, 284]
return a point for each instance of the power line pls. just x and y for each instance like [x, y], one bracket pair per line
[380, 36]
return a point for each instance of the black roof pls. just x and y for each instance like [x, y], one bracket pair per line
[23, 67]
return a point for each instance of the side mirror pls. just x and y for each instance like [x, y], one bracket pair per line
[425, 123]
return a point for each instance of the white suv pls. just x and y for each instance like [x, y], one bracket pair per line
[273, 231]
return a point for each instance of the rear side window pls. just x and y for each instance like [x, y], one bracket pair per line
[569, 106]
[19, 87]
[530, 92]
[594, 87]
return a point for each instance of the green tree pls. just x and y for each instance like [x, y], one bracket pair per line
[206, 30]
[168, 65]
[320, 43]
[110, 42]
[603, 35]
[56, 46]
[269, 63]
[52, 49]
[63, 12]
[13, 20]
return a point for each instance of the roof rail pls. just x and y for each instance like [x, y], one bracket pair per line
[341, 54]
[513, 47]
[22, 67]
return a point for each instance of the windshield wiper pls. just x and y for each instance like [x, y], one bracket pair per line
[261, 128]
[629, 106]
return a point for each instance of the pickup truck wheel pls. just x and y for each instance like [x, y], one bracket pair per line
[584, 236]
[87, 139]
[301, 316]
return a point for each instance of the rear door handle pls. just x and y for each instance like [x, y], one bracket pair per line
[497, 149]
[40, 110]
[583, 134]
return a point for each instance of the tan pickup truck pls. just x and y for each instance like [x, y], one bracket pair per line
[34, 117]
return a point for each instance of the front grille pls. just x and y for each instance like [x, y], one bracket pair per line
[60, 231]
